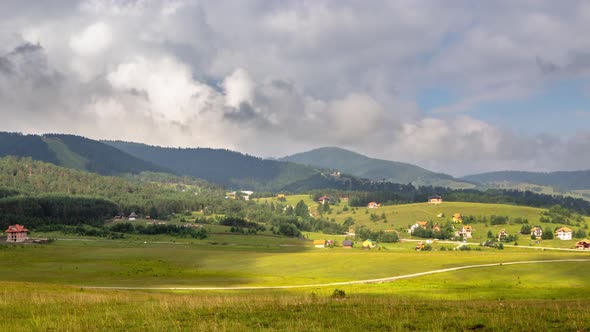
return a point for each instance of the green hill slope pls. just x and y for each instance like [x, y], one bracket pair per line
[74, 152]
[232, 169]
[375, 169]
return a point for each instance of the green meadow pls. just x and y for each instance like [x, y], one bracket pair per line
[46, 287]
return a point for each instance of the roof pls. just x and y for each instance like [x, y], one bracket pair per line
[319, 241]
[347, 243]
[457, 215]
[133, 215]
[422, 223]
[16, 229]
[585, 241]
[434, 197]
[467, 228]
[563, 229]
[372, 203]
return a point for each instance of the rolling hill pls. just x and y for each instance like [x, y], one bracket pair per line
[74, 152]
[375, 169]
[230, 168]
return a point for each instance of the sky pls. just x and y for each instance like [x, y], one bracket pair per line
[459, 87]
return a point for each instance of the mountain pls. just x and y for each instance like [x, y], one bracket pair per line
[375, 169]
[561, 182]
[232, 169]
[74, 152]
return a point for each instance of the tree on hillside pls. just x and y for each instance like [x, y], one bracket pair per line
[547, 234]
[301, 209]
[525, 229]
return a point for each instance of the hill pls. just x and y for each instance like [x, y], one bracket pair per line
[375, 169]
[232, 169]
[74, 152]
[560, 181]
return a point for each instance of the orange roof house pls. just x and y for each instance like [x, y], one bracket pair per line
[373, 205]
[564, 233]
[16, 233]
[457, 218]
[537, 231]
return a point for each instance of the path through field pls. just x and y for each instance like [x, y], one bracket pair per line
[357, 282]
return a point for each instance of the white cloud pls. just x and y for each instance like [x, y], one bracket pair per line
[93, 40]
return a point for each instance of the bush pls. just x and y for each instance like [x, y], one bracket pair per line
[338, 294]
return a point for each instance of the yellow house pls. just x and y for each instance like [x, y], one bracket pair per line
[281, 196]
[369, 244]
[457, 218]
[319, 243]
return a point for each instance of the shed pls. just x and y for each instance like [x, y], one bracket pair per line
[319, 243]
[347, 244]
[133, 216]
[369, 244]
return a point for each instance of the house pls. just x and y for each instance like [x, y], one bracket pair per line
[369, 244]
[564, 233]
[231, 195]
[373, 205]
[330, 243]
[502, 234]
[324, 200]
[132, 216]
[246, 194]
[16, 233]
[344, 198]
[351, 232]
[420, 245]
[465, 232]
[348, 244]
[457, 218]
[281, 196]
[319, 243]
[422, 224]
[434, 199]
[436, 228]
[583, 244]
[537, 231]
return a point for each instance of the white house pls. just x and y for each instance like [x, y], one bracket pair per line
[564, 233]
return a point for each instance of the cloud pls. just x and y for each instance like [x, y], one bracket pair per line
[272, 79]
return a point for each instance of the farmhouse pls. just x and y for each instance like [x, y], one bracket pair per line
[436, 228]
[348, 244]
[435, 199]
[319, 243]
[422, 224]
[502, 234]
[324, 200]
[281, 196]
[583, 244]
[369, 244]
[457, 218]
[132, 216]
[16, 233]
[564, 233]
[373, 205]
[537, 231]
[465, 232]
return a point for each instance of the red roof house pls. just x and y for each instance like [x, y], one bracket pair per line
[16, 233]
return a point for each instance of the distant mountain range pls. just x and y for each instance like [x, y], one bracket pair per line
[299, 172]
[573, 183]
[361, 166]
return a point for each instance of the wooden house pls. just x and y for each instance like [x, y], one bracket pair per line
[583, 244]
[564, 233]
[16, 233]
[465, 232]
[457, 218]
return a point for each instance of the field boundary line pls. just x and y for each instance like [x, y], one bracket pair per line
[344, 283]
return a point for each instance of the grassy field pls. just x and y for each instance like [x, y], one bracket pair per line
[42, 288]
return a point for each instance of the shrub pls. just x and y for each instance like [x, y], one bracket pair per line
[338, 294]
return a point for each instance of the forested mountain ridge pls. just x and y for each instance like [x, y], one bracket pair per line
[375, 169]
[562, 180]
[230, 168]
[29, 189]
[74, 152]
